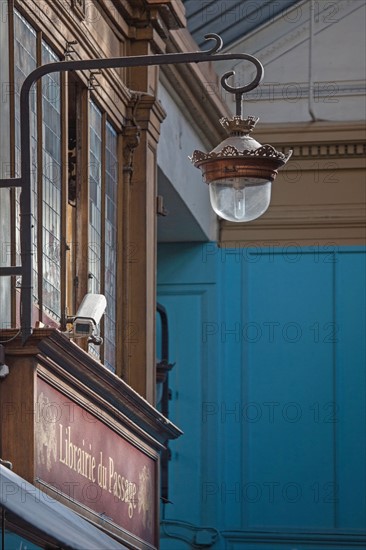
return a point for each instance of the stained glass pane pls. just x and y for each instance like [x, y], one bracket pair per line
[110, 247]
[51, 201]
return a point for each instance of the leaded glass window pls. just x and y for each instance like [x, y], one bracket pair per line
[51, 188]
[56, 208]
[111, 175]
[95, 198]
[103, 176]
[25, 61]
[5, 172]
[46, 205]
[95, 205]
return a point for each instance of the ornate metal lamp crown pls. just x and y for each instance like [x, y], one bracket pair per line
[240, 155]
[238, 126]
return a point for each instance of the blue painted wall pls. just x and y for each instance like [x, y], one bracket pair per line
[269, 389]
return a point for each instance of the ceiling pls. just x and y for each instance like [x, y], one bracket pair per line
[231, 19]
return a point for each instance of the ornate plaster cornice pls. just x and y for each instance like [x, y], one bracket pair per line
[335, 150]
[162, 15]
[320, 198]
[317, 140]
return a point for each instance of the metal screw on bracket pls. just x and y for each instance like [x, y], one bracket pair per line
[70, 48]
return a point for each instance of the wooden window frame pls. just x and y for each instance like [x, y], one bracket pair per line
[73, 267]
[102, 280]
[38, 310]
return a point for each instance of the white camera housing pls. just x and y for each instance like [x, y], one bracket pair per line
[89, 314]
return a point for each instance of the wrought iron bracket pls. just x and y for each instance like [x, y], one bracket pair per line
[24, 182]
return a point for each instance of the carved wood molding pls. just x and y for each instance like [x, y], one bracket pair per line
[64, 361]
[131, 134]
[69, 361]
[172, 12]
[78, 7]
[133, 128]
[91, 402]
[61, 25]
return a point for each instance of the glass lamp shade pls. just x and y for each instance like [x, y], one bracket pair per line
[240, 199]
[240, 171]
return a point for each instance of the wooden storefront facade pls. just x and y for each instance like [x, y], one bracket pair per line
[79, 422]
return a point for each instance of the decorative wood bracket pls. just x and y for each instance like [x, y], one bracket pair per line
[131, 136]
[78, 7]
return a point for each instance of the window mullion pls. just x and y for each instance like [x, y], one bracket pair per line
[110, 246]
[39, 220]
[25, 60]
[95, 205]
[64, 249]
[82, 218]
[122, 197]
[12, 160]
[103, 217]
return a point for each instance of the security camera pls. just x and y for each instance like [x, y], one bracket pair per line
[4, 369]
[88, 315]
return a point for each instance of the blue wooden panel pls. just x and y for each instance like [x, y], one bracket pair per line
[289, 368]
[228, 495]
[270, 392]
[350, 389]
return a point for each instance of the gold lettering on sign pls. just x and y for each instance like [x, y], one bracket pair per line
[104, 471]
[81, 460]
[74, 457]
[123, 489]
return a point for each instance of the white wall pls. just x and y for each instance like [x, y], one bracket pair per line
[186, 196]
[334, 61]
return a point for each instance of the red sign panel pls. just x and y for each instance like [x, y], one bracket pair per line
[86, 460]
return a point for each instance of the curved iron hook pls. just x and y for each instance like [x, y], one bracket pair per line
[26, 269]
[240, 90]
[219, 42]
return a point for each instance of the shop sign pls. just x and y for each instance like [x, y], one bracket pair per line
[86, 460]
